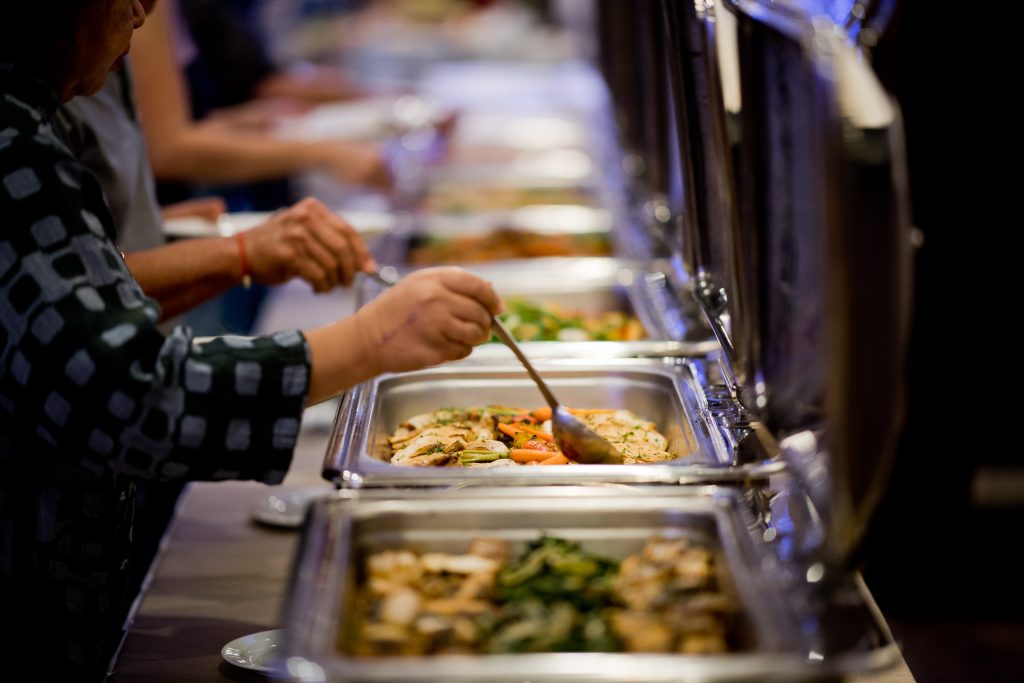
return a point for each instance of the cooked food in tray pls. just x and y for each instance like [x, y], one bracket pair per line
[463, 199]
[499, 436]
[505, 243]
[528, 321]
[554, 597]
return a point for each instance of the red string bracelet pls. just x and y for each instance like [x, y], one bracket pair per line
[244, 261]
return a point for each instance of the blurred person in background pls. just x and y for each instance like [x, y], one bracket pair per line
[230, 65]
[232, 154]
[94, 396]
[229, 148]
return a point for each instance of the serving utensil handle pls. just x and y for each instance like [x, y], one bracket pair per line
[505, 336]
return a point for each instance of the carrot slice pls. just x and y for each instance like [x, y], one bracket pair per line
[524, 455]
[556, 459]
[511, 430]
[542, 414]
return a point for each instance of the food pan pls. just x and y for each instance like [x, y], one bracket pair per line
[660, 390]
[585, 285]
[531, 232]
[459, 198]
[341, 531]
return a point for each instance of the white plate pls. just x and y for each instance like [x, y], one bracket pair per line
[287, 507]
[369, 224]
[371, 118]
[256, 651]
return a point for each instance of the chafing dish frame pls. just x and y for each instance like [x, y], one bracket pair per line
[646, 291]
[324, 583]
[359, 431]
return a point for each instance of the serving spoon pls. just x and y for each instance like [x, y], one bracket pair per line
[577, 441]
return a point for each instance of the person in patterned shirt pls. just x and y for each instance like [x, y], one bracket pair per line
[93, 395]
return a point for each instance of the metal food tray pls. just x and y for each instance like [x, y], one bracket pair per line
[542, 168]
[550, 219]
[590, 285]
[341, 530]
[398, 248]
[663, 391]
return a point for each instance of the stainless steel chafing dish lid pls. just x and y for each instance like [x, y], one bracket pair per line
[590, 284]
[338, 529]
[817, 281]
[662, 390]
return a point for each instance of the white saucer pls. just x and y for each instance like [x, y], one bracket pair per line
[256, 651]
[287, 507]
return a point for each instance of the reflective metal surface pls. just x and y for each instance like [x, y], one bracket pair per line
[594, 285]
[706, 147]
[826, 242]
[575, 439]
[774, 646]
[661, 390]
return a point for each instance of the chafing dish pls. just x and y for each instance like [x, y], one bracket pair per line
[661, 390]
[342, 530]
[522, 132]
[558, 166]
[592, 285]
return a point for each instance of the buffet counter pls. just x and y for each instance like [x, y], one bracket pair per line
[221, 576]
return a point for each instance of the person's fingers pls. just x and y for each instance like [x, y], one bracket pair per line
[360, 252]
[327, 239]
[336, 235]
[314, 274]
[326, 262]
[468, 310]
[470, 285]
[463, 332]
[451, 350]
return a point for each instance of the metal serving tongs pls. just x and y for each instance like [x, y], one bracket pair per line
[577, 441]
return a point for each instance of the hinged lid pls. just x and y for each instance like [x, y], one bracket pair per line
[800, 238]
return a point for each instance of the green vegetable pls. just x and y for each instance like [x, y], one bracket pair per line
[480, 456]
[554, 598]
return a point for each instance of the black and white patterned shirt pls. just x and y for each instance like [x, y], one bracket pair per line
[92, 395]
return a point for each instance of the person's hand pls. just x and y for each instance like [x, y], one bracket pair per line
[309, 241]
[209, 208]
[429, 317]
[358, 163]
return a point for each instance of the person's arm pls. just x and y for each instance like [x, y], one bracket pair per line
[87, 371]
[308, 241]
[209, 208]
[181, 149]
[429, 317]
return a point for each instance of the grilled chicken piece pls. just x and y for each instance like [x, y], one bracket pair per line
[470, 432]
[638, 440]
[400, 607]
[642, 632]
[487, 445]
[428, 460]
[703, 644]
[458, 564]
[456, 445]
[394, 566]
[492, 548]
[418, 446]
[452, 606]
